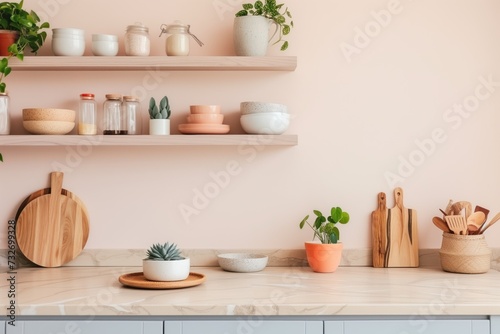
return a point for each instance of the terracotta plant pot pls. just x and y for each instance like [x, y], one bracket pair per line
[323, 258]
[7, 38]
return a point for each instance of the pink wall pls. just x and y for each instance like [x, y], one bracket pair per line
[376, 80]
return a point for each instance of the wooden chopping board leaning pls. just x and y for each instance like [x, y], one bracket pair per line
[52, 228]
[394, 234]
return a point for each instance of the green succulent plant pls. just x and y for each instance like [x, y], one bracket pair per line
[273, 11]
[159, 112]
[325, 228]
[165, 252]
[14, 17]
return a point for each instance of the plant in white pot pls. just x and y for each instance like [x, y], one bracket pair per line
[159, 122]
[252, 23]
[324, 256]
[165, 263]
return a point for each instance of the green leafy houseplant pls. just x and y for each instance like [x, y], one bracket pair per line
[165, 252]
[14, 17]
[159, 112]
[273, 11]
[325, 228]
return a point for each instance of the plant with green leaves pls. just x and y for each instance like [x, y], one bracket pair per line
[273, 11]
[165, 252]
[159, 112]
[14, 17]
[325, 228]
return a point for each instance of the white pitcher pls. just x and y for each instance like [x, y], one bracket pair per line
[251, 35]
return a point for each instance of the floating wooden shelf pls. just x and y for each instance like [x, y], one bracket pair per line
[146, 140]
[163, 63]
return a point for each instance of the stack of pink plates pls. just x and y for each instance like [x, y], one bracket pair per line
[204, 119]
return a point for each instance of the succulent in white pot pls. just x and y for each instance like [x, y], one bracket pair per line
[165, 263]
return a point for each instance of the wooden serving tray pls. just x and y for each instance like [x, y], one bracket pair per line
[137, 280]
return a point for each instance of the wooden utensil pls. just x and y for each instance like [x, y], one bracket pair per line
[457, 224]
[400, 232]
[475, 221]
[52, 229]
[491, 222]
[379, 236]
[483, 210]
[457, 208]
[441, 224]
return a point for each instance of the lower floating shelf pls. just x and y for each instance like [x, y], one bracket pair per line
[146, 140]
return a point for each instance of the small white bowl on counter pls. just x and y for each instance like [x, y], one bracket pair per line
[242, 262]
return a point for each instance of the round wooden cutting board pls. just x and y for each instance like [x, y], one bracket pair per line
[52, 229]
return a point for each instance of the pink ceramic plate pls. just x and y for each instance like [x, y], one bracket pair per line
[204, 128]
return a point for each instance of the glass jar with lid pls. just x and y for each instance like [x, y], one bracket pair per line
[115, 120]
[177, 44]
[132, 111]
[87, 115]
[137, 41]
[4, 114]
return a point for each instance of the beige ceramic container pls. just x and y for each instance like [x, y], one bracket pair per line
[205, 118]
[48, 127]
[49, 114]
[466, 254]
[205, 109]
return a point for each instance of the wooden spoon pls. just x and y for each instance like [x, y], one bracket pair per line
[492, 221]
[475, 221]
[441, 224]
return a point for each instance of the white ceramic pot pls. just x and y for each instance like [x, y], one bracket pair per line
[251, 35]
[159, 127]
[68, 42]
[104, 45]
[166, 271]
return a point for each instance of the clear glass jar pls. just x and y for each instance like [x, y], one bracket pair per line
[87, 116]
[4, 114]
[115, 120]
[177, 44]
[137, 41]
[132, 110]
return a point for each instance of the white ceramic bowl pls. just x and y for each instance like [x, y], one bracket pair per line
[104, 45]
[270, 123]
[166, 271]
[242, 262]
[48, 127]
[261, 107]
[68, 42]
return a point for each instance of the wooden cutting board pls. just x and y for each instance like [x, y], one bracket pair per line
[395, 234]
[52, 229]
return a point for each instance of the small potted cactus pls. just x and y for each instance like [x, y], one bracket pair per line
[159, 122]
[165, 263]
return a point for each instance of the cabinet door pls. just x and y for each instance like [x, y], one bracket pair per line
[2, 327]
[249, 325]
[414, 326]
[86, 327]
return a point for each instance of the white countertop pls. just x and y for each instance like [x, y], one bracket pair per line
[277, 291]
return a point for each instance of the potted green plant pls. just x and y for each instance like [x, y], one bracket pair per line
[27, 31]
[159, 122]
[325, 255]
[251, 27]
[165, 263]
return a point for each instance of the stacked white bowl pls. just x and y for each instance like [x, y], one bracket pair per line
[68, 42]
[264, 118]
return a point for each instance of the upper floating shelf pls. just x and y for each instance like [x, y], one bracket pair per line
[164, 63]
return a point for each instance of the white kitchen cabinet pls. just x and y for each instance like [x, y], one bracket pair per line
[2, 327]
[410, 326]
[86, 327]
[495, 324]
[242, 326]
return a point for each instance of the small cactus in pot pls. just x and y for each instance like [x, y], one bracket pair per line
[165, 263]
[159, 122]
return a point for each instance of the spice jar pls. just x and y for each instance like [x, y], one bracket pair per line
[115, 120]
[4, 114]
[137, 41]
[132, 112]
[87, 116]
[177, 44]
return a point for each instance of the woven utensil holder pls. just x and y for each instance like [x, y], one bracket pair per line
[466, 254]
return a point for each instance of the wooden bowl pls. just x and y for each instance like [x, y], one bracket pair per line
[49, 114]
[48, 127]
